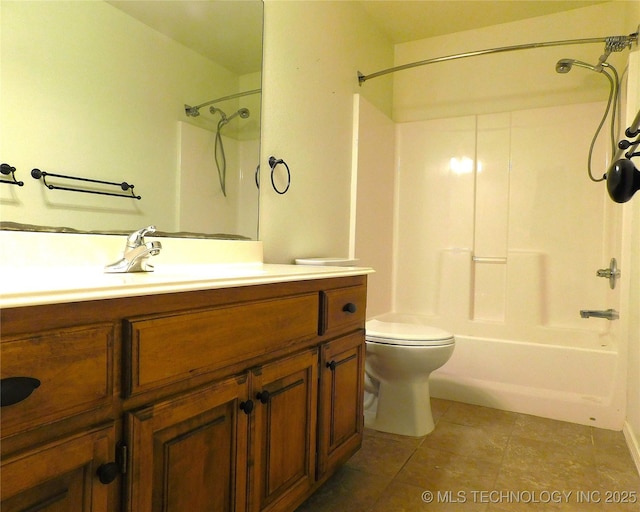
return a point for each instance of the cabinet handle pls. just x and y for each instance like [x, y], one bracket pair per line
[108, 472]
[331, 365]
[263, 396]
[350, 307]
[247, 406]
[16, 389]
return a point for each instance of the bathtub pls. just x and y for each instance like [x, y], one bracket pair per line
[563, 374]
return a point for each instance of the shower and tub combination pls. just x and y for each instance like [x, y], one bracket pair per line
[482, 314]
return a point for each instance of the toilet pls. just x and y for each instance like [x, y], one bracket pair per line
[401, 353]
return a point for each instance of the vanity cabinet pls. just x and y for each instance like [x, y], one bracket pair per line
[232, 399]
[341, 412]
[52, 377]
[61, 475]
[284, 445]
[189, 452]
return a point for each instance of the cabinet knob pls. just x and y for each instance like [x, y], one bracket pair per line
[263, 396]
[350, 307]
[107, 472]
[247, 406]
[331, 365]
[16, 389]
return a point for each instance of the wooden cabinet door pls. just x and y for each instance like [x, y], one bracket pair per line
[341, 415]
[284, 444]
[60, 476]
[190, 453]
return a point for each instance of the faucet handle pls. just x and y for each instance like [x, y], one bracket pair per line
[136, 238]
[612, 273]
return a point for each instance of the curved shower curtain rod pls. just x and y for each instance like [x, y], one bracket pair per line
[193, 111]
[613, 43]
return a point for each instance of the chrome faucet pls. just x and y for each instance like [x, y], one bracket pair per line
[136, 253]
[609, 314]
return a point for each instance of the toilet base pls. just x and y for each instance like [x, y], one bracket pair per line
[400, 409]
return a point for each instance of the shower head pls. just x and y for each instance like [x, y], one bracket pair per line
[224, 119]
[243, 113]
[565, 65]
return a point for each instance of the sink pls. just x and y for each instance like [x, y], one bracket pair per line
[207, 271]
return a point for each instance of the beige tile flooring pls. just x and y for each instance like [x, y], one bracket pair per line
[485, 460]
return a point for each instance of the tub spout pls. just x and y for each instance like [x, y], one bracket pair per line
[609, 314]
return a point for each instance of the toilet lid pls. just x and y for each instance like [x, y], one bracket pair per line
[398, 333]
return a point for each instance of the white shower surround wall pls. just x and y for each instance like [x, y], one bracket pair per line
[540, 230]
[511, 259]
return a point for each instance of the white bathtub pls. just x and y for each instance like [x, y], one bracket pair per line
[563, 374]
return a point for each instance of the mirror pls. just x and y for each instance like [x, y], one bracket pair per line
[97, 90]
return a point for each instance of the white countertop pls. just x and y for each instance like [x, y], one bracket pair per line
[30, 286]
[48, 268]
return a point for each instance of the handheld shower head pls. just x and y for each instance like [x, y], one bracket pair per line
[243, 113]
[565, 65]
[215, 110]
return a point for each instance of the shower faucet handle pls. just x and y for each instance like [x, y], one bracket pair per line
[612, 273]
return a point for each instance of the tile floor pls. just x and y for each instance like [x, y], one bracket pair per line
[485, 460]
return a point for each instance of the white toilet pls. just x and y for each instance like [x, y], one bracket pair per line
[401, 354]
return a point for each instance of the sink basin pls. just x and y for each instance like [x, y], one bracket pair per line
[36, 279]
[207, 271]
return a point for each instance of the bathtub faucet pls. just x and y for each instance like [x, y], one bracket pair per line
[609, 314]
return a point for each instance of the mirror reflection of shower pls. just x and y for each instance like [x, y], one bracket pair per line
[218, 153]
[219, 156]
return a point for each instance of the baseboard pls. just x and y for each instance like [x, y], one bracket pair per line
[632, 443]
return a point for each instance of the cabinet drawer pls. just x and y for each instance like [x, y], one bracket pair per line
[343, 309]
[74, 368]
[172, 348]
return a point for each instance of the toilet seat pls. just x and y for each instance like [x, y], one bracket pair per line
[404, 334]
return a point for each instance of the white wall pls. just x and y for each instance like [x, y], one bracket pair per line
[374, 218]
[312, 51]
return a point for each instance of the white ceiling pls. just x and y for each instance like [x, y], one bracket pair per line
[228, 32]
[205, 26]
[411, 20]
